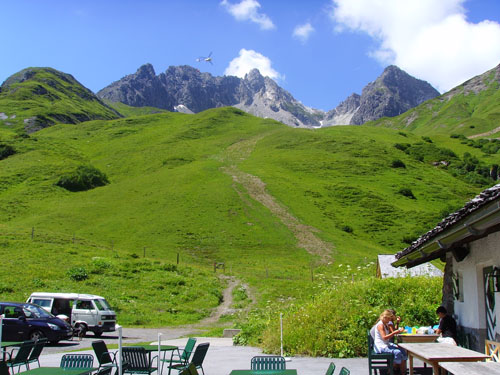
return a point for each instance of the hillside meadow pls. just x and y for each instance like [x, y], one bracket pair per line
[292, 213]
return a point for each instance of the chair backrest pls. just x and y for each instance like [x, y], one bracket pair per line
[269, 362]
[77, 361]
[23, 353]
[37, 349]
[199, 354]
[188, 349]
[344, 371]
[331, 369]
[370, 343]
[101, 352]
[136, 358]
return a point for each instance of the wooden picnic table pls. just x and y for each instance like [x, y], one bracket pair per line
[59, 371]
[471, 368]
[433, 353]
[411, 338]
[264, 372]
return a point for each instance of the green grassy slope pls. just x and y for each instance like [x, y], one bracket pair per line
[469, 109]
[170, 194]
[35, 98]
[281, 207]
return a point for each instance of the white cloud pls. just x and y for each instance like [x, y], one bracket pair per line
[429, 39]
[248, 60]
[248, 10]
[303, 32]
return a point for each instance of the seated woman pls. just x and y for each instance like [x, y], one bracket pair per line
[382, 340]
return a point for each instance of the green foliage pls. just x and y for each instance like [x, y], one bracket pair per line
[397, 163]
[6, 151]
[334, 323]
[77, 274]
[85, 177]
[406, 193]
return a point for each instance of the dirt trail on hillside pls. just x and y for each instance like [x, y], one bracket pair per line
[496, 130]
[256, 188]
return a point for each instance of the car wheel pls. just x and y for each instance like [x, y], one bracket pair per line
[98, 334]
[36, 335]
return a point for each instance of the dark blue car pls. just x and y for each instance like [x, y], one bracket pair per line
[25, 321]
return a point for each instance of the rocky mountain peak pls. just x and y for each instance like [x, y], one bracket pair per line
[146, 71]
[391, 94]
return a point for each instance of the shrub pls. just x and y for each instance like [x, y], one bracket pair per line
[100, 265]
[77, 274]
[6, 151]
[398, 164]
[347, 229]
[407, 193]
[427, 139]
[402, 146]
[341, 314]
[85, 177]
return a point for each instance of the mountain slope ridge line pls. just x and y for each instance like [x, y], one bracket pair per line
[256, 188]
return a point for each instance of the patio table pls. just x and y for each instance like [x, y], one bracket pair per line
[6, 344]
[471, 368]
[59, 371]
[433, 353]
[264, 372]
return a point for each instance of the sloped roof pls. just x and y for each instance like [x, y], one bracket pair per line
[483, 199]
[387, 270]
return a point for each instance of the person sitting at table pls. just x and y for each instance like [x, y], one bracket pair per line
[447, 327]
[382, 340]
[394, 323]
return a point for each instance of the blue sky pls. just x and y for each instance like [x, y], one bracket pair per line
[321, 51]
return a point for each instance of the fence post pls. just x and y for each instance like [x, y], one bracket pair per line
[177, 258]
[32, 232]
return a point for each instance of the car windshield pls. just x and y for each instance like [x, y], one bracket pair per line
[102, 304]
[33, 311]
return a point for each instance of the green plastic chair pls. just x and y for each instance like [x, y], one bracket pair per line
[198, 357]
[268, 362]
[21, 357]
[182, 359]
[344, 371]
[77, 361]
[331, 369]
[37, 350]
[137, 360]
[4, 370]
[377, 361]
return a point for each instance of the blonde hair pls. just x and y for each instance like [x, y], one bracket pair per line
[386, 313]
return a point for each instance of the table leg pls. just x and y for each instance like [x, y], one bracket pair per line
[410, 357]
[435, 368]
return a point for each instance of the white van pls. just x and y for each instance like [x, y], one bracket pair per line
[85, 312]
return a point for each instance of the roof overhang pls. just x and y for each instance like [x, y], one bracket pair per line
[477, 225]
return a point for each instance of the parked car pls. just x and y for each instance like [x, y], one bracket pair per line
[25, 321]
[85, 312]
